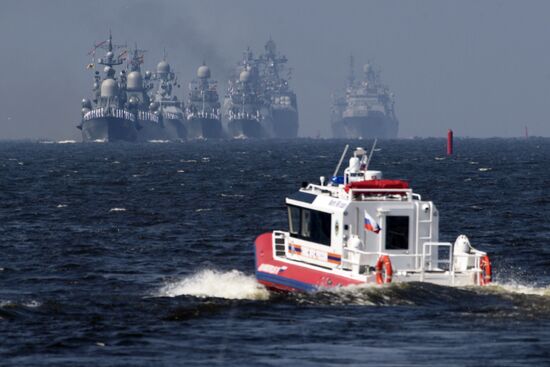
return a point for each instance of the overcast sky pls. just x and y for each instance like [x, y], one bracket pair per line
[479, 67]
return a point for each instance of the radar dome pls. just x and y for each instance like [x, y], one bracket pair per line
[203, 72]
[135, 81]
[108, 88]
[163, 67]
[244, 76]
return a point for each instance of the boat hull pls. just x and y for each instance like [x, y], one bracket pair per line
[150, 130]
[245, 128]
[204, 128]
[285, 123]
[108, 129]
[175, 129]
[282, 276]
[375, 125]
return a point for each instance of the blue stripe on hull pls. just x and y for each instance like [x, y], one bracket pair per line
[272, 278]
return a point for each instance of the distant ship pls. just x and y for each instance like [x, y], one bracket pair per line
[166, 105]
[203, 116]
[367, 109]
[243, 103]
[277, 95]
[137, 89]
[107, 118]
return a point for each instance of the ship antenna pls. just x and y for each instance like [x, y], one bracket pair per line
[369, 158]
[351, 77]
[340, 161]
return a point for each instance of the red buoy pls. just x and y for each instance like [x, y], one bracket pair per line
[450, 142]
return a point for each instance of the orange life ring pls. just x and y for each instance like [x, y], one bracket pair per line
[485, 266]
[383, 263]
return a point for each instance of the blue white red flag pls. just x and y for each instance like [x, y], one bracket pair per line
[370, 224]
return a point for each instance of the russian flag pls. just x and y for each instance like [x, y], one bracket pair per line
[370, 224]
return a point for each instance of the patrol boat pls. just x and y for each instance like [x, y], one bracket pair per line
[243, 105]
[138, 86]
[362, 229]
[107, 118]
[166, 104]
[203, 117]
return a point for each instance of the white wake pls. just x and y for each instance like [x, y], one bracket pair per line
[213, 283]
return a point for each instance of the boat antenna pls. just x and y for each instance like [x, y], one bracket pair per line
[340, 161]
[369, 158]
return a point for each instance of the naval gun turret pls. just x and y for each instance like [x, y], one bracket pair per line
[203, 117]
[106, 117]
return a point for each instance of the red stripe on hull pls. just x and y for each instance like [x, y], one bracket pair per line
[290, 277]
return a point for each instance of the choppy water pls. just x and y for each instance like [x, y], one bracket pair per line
[142, 255]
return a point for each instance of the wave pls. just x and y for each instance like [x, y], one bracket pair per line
[494, 300]
[218, 284]
[117, 210]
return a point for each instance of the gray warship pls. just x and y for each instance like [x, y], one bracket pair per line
[203, 117]
[276, 93]
[243, 105]
[367, 109]
[150, 126]
[166, 105]
[106, 118]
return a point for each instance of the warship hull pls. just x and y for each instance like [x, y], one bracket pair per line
[108, 129]
[285, 123]
[204, 128]
[245, 128]
[150, 130]
[175, 129]
[375, 125]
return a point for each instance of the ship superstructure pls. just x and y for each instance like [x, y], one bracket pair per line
[243, 103]
[276, 92]
[165, 103]
[203, 114]
[366, 110]
[107, 117]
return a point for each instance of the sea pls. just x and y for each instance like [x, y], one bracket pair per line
[142, 255]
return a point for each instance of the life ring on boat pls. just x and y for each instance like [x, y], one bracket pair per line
[485, 266]
[383, 263]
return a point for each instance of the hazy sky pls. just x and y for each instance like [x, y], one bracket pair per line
[479, 67]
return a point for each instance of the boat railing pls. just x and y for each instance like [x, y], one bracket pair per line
[429, 265]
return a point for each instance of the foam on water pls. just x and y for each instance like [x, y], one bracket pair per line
[213, 283]
[513, 287]
[117, 210]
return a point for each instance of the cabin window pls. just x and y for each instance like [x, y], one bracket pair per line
[293, 219]
[310, 225]
[397, 232]
[306, 223]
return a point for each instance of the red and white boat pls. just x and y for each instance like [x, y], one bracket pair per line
[360, 228]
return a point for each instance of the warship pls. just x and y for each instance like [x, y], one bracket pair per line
[165, 104]
[276, 93]
[243, 105]
[202, 115]
[367, 109]
[106, 118]
[137, 88]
